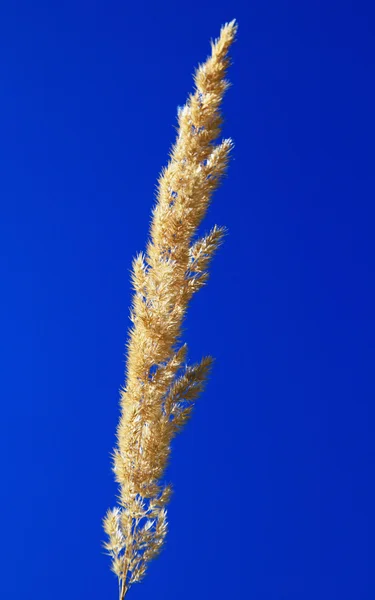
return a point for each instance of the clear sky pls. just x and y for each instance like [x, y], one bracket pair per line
[274, 476]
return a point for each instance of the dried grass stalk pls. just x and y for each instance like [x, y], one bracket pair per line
[160, 391]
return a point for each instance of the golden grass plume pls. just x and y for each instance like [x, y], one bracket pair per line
[160, 391]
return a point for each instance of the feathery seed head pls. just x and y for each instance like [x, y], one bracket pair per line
[160, 392]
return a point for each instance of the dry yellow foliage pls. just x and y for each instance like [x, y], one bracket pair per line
[160, 390]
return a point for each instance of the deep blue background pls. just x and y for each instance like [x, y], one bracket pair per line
[274, 476]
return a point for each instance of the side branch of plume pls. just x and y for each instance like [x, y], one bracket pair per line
[160, 390]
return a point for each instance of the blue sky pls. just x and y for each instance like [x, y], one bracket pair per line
[273, 477]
